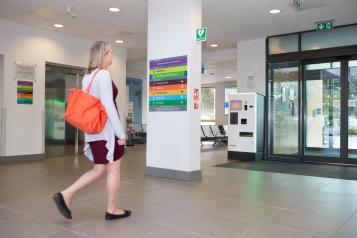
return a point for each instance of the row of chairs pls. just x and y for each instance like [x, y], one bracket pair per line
[137, 133]
[214, 133]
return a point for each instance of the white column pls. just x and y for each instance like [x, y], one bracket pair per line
[173, 138]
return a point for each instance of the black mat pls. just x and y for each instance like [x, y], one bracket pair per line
[308, 169]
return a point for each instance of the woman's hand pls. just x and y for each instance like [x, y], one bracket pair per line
[121, 142]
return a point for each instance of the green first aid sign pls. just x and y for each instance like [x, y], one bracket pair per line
[201, 34]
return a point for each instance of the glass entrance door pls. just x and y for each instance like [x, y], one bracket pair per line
[322, 109]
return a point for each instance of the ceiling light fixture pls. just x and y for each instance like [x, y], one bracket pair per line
[228, 77]
[114, 9]
[274, 11]
[214, 45]
[119, 41]
[58, 25]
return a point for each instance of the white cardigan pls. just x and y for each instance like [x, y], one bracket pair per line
[102, 89]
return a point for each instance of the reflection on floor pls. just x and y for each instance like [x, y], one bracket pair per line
[225, 203]
[62, 150]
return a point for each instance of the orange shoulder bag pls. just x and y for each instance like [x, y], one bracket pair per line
[85, 111]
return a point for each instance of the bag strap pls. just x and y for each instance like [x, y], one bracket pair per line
[90, 84]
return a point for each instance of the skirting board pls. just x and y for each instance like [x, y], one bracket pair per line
[174, 174]
[22, 158]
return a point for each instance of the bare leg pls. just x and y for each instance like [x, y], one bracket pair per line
[86, 179]
[113, 185]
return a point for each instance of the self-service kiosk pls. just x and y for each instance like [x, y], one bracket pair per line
[246, 126]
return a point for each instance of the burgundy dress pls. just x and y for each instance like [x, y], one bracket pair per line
[98, 148]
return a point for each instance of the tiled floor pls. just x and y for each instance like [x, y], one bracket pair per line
[225, 203]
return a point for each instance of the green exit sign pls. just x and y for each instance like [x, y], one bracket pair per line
[297, 3]
[324, 26]
[201, 34]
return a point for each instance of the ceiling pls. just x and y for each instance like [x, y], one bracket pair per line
[220, 71]
[228, 21]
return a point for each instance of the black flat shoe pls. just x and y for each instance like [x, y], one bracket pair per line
[61, 205]
[110, 216]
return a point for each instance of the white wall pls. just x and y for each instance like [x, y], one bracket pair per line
[29, 45]
[251, 57]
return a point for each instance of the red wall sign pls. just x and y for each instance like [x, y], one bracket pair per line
[196, 97]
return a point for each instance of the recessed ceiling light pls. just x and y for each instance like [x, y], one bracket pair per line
[274, 11]
[119, 41]
[58, 25]
[214, 45]
[228, 77]
[114, 9]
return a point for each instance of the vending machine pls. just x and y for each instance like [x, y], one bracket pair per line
[246, 126]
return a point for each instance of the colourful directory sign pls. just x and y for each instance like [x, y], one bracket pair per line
[24, 92]
[168, 84]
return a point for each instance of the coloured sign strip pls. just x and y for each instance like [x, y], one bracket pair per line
[168, 84]
[168, 102]
[174, 61]
[169, 87]
[24, 92]
[168, 97]
[168, 92]
[174, 75]
[168, 108]
[169, 70]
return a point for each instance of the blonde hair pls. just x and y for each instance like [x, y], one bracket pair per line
[96, 55]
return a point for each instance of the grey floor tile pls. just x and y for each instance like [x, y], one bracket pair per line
[63, 234]
[324, 208]
[195, 203]
[315, 223]
[80, 215]
[127, 228]
[246, 211]
[172, 233]
[270, 231]
[6, 214]
[348, 230]
[160, 215]
[31, 206]
[25, 227]
[341, 187]
[215, 226]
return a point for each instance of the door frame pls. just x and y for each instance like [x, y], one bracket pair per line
[343, 157]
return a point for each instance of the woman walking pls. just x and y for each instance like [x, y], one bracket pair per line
[106, 148]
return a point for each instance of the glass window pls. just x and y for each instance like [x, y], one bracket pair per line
[227, 91]
[283, 108]
[283, 44]
[336, 37]
[208, 104]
